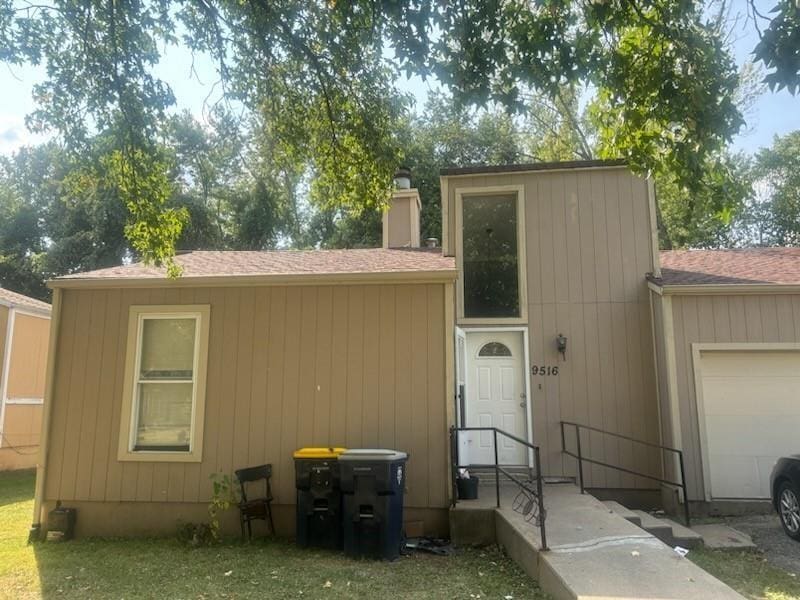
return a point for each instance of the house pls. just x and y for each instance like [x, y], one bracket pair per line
[546, 303]
[24, 331]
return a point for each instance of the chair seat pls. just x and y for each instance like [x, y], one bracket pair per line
[256, 507]
[255, 502]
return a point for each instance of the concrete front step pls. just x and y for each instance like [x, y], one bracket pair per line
[719, 536]
[488, 474]
[623, 512]
[683, 536]
[653, 525]
[668, 531]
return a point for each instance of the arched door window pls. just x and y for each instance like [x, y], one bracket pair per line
[494, 350]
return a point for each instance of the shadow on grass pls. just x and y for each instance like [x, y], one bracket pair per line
[17, 486]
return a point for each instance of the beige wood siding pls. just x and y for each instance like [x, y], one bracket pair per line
[360, 365]
[28, 357]
[588, 248]
[21, 425]
[719, 319]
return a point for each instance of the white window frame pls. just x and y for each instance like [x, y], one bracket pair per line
[130, 401]
[500, 191]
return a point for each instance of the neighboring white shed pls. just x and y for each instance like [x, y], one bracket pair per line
[24, 334]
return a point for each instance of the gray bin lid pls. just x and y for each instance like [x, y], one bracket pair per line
[372, 455]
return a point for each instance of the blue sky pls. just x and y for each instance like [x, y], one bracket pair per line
[773, 114]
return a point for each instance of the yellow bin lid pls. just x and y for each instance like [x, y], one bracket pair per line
[318, 452]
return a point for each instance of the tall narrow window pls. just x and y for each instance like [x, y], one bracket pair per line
[165, 383]
[165, 378]
[490, 257]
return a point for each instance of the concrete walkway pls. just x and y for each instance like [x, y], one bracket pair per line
[594, 553]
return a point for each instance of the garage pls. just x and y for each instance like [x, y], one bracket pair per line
[726, 329]
[749, 413]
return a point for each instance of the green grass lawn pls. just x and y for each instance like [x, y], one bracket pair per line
[164, 568]
[748, 573]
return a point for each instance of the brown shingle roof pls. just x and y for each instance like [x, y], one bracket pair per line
[286, 263]
[9, 298]
[742, 266]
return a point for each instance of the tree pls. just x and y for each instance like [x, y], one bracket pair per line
[778, 170]
[558, 129]
[444, 134]
[708, 217]
[255, 220]
[56, 219]
[321, 76]
[778, 44]
[209, 163]
[450, 134]
[20, 245]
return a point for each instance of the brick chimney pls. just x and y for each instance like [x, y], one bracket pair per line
[401, 218]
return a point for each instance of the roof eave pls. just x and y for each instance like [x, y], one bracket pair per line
[724, 289]
[362, 278]
[531, 167]
[25, 307]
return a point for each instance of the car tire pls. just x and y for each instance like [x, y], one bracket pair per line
[788, 504]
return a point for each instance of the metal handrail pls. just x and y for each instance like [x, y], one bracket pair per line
[581, 459]
[454, 431]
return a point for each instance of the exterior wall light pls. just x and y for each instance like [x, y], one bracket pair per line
[561, 344]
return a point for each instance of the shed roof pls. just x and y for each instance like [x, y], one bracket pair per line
[281, 263]
[745, 266]
[479, 169]
[15, 300]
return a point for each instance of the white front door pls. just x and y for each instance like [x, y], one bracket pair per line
[495, 395]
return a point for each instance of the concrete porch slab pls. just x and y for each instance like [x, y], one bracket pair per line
[595, 553]
[722, 537]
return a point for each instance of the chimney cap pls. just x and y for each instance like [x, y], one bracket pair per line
[402, 178]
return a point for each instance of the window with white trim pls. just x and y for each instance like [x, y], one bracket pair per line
[163, 402]
[164, 392]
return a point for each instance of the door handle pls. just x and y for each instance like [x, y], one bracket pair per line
[524, 399]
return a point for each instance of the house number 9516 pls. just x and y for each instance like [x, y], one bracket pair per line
[543, 370]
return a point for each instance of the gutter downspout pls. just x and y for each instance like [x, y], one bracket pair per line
[670, 362]
[44, 438]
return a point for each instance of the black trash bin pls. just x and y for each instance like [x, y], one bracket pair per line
[319, 498]
[372, 490]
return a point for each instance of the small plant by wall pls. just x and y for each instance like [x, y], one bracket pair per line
[223, 497]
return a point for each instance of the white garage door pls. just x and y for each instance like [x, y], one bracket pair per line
[751, 404]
